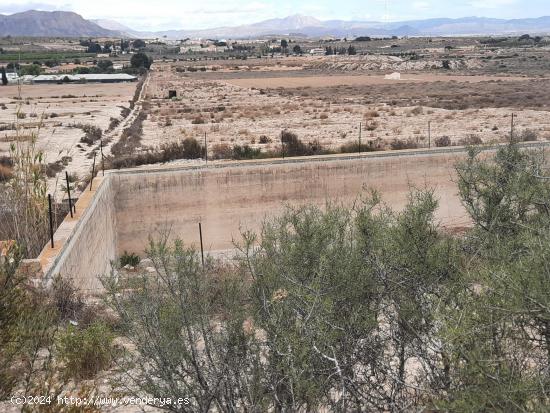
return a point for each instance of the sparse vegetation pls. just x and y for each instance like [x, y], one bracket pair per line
[458, 292]
[400, 144]
[130, 259]
[443, 141]
[85, 352]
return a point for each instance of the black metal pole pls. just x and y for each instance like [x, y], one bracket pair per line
[360, 127]
[205, 149]
[93, 173]
[102, 158]
[202, 249]
[69, 193]
[282, 145]
[51, 218]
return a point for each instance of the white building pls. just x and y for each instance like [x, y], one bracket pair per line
[12, 77]
[317, 51]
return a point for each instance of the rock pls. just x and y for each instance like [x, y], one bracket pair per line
[146, 262]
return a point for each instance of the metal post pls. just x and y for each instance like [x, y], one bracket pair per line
[202, 249]
[282, 145]
[205, 149]
[69, 193]
[51, 218]
[360, 130]
[429, 134]
[93, 173]
[102, 158]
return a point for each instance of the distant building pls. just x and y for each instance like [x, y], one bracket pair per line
[393, 76]
[12, 77]
[317, 52]
[87, 78]
[203, 49]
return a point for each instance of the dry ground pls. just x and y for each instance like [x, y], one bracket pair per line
[59, 107]
[251, 110]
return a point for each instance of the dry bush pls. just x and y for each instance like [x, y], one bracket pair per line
[470, 140]
[529, 135]
[370, 114]
[130, 139]
[323, 116]
[371, 125]
[400, 144]
[113, 123]
[92, 133]
[189, 148]
[6, 173]
[198, 120]
[293, 146]
[443, 141]
[222, 151]
[66, 299]
[417, 111]
[355, 147]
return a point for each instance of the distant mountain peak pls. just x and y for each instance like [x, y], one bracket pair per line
[69, 24]
[50, 24]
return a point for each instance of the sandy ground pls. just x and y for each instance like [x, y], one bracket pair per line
[60, 106]
[229, 112]
[352, 80]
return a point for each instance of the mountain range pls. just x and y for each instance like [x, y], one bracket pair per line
[69, 24]
[50, 24]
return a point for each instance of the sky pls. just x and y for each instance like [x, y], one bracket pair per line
[192, 14]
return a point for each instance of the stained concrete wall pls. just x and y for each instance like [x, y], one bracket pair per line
[231, 198]
[126, 207]
[86, 244]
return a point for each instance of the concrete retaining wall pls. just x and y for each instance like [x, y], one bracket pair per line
[85, 245]
[127, 207]
[229, 199]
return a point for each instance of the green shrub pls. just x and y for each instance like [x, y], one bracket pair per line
[293, 146]
[246, 152]
[129, 259]
[85, 352]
